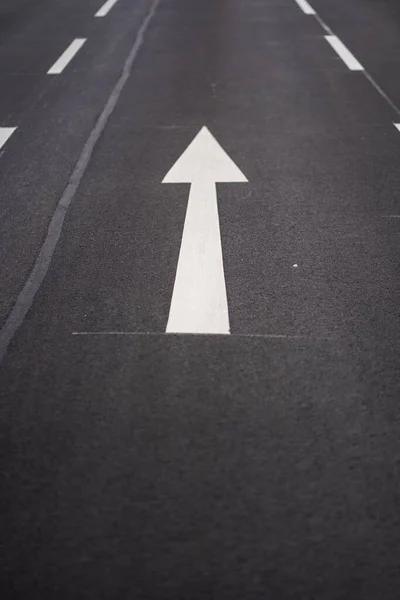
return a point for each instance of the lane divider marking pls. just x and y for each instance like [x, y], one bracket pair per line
[66, 56]
[105, 9]
[347, 57]
[305, 7]
[5, 134]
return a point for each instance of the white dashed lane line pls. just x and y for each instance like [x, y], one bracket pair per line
[66, 57]
[345, 54]
[5, 134]
[305, 7]
[105, 9]
[347, 57]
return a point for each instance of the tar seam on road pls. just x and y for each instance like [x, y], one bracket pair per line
[274, 336]
[27, 295]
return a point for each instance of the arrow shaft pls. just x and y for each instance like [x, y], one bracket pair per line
[199, 303]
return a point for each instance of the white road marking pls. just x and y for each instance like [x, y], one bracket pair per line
[305, 7]
[66, 57]
[5, 134]
[334, 41]
[199, 302]
[105, 9]
[345, 54]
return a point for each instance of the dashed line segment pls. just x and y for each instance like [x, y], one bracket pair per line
[66, 56]
[5, 134]
[305, 7]
[347, 57]
[105, 9]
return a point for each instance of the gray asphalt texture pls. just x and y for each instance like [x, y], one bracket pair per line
[262, 465]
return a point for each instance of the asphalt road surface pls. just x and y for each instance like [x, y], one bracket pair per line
[199, 299]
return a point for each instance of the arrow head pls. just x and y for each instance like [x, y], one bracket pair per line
[204, 159]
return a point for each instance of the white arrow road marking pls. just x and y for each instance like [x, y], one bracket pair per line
[199, 303]
[397, 125]
[5, 133]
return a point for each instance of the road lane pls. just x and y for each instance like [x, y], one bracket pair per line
[260, 464]
[313, 140]
[186, 472]
[53, 125]
[32, 37]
